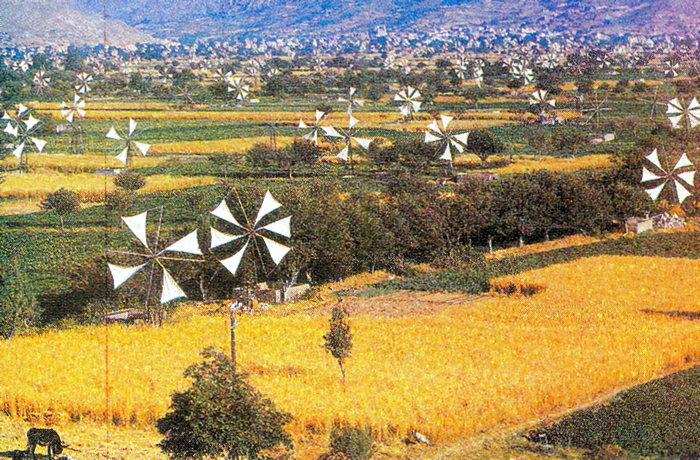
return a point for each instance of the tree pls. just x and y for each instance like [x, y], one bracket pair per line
[301, 151]
[62, 202]
[221, 414]
[483, 144]
[338, 340]
[130, 180]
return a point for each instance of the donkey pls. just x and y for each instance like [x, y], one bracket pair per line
[44, 437]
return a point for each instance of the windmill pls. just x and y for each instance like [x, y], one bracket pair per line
[446, 137]
[21, 127]
[655, 101]
[478, 75]
[247, 235]
[272, 129]
[41, 82]
[410, 100]
[596, 111]
[539, 99]
[239, 87]
[314, 129]
[462, 70]
[72, 113]
[129, 143]
[83, 81]
[154, 258]
[520, 72]
[678, 111]
[348, 136]
[671, 68]
[682, 176]
[351, 100]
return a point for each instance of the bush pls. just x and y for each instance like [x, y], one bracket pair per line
[259, 155]
[351, 442]
[221, 413]
[62, 202]
[19, 309]
[130, 180]
[483, 144]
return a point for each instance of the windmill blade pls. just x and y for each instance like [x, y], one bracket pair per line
[132, 126]
[434, 127]
[447, 155]
[655, 192]
[39, 144]
[188, 244]
[269, 204]
[331, 131]
[365, 143]
[220, 238]
[352, 122]
[688, 177]
[112, 134]
[694, 105]
[17, 152]
[122, 274]
[30, 122]
[21, 108]
[682, 192]
[123, 155]
[675, 120]
[11, 130]
[674, 106]
[302, 124]
[405, 110]
[446, 120]
[171, 290]
[683, 162]
[456, 145]
[462, 137]
[223, 212]
[319, 115]
[234, 261]
[429, 137]
[653, 157]
[277, 250]
[68, 115]
[143, 148]
[343, 154]
[137, 225]
[648, 175]
[280, 227]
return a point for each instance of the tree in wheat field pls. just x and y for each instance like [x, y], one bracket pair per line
[338, 340]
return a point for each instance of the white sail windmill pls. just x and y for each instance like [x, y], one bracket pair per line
[410, 101]
[678, 111]
[314, 128]
[540, 99]
[351, 100]
[41, 82]
[129, 143]
[83, 81]
[22, 127]
[446, 137]
[154, 258]
[239, 87]
[248, 234]
[348, 136]
[520, 72]
[682, 175]
[72, 113]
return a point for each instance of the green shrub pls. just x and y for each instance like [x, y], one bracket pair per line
[130, 180]
[352, 442]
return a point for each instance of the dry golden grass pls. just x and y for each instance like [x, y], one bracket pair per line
[81, 162]
[524, 164]
[566, 242]
[18, 206]
[229, 146]
[38, 184]
[474, 367]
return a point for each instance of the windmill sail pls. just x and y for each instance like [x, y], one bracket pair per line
[188, 244]
[122, 274]
[171, 290]
[137, 225]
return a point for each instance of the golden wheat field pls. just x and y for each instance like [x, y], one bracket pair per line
[598, 324]
[90, 187]
[221, 146]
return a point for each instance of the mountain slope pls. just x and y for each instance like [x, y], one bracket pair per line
[58, 22]
[170, 18]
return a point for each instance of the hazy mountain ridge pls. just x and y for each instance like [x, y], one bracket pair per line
[80, 21]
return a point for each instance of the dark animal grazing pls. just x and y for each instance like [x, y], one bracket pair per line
[47, 437]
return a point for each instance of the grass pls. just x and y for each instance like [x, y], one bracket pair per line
[473, 368]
